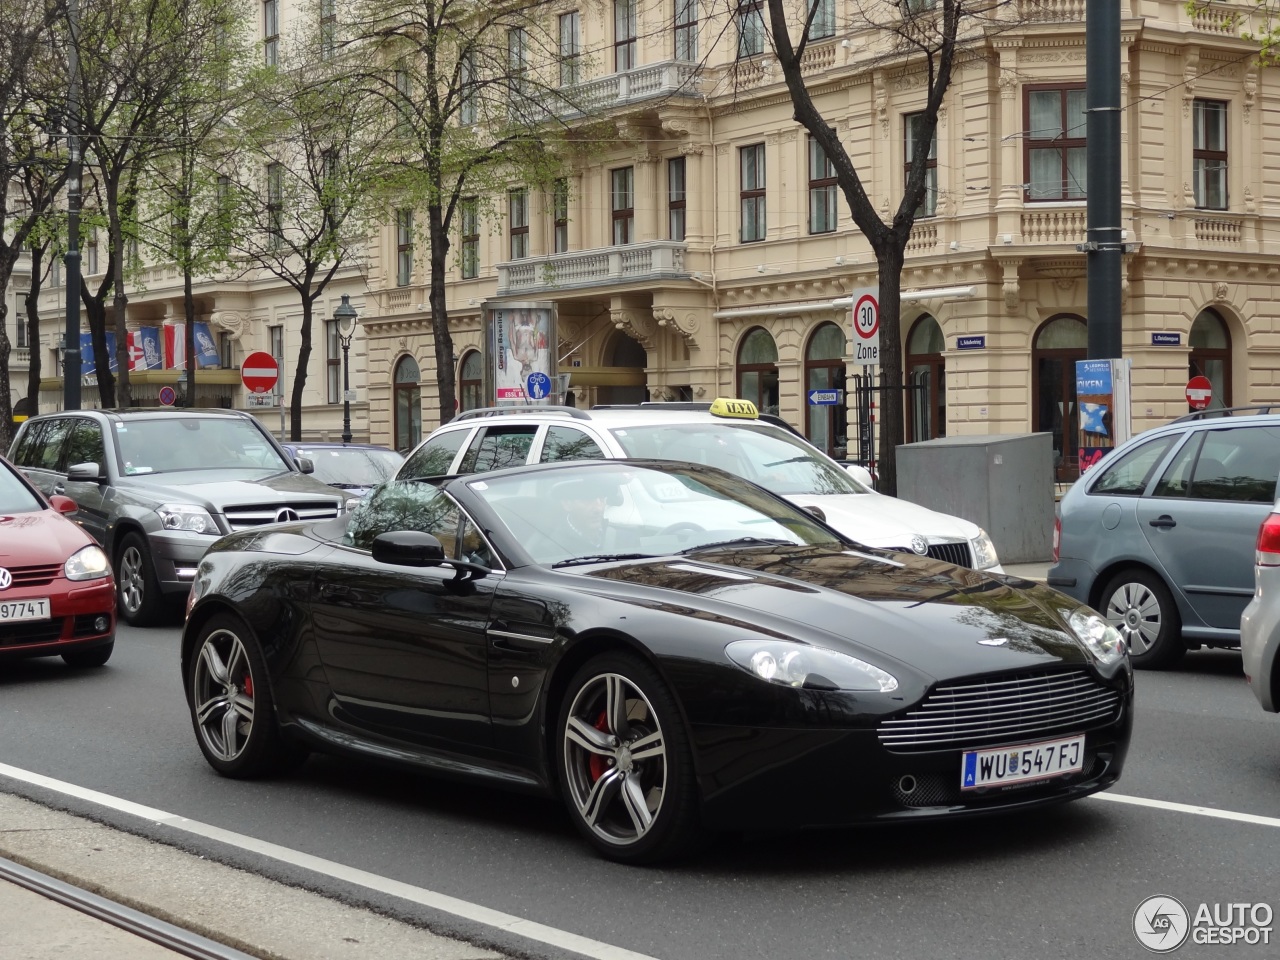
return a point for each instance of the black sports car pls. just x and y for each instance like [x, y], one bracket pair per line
[668, 647]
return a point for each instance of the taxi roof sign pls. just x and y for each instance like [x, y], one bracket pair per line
[742, 409]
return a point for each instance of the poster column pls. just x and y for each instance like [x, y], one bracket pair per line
[520, 353]
[1104, 401]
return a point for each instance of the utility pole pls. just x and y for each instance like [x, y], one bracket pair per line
[1104, 251]
[75, 168]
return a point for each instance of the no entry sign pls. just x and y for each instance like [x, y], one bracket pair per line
[259, 372]
[1199, 392]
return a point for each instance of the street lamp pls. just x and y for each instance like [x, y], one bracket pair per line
[346, 317]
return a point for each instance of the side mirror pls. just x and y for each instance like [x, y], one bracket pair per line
[862, 475]
[305, 465]
[408, 548]
[64, 505]
[85, 472]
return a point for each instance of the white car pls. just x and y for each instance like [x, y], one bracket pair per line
[729, 434]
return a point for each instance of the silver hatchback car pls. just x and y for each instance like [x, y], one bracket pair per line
[1260, 624]
[1159, 536]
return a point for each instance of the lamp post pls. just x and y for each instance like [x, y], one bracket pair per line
[345, 315]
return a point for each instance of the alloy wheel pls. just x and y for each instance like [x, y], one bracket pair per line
[132, 579]
[1134, 610]
[615, 758]
[222, 695]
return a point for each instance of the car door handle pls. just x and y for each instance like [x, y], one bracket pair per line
[334, 591]
[59, 488]
[1165, 521]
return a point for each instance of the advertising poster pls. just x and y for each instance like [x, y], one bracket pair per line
[1102, 396]
[521, 339]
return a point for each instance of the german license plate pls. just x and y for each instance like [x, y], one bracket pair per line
[15, 610]
[1032, 761]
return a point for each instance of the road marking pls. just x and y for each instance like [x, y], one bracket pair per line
[464, 909]
[1189, 808]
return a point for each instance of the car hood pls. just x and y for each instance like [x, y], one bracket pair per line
[884, 522]
[217, 488]
[38, 538]
[947, 620]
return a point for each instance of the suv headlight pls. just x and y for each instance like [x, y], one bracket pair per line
[184, 516]
[87, 563]
[1102, 639]
[984, 551]
[799, 665]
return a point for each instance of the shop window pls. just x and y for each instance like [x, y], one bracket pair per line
[824, 369]
[408, 404]
[1211, 356]
[758, 370]
[1059, 343]
[926, 381]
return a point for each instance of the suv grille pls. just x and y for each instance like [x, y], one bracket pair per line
[1003, 710]
[246, 516]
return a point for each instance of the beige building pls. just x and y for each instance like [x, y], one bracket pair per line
[706, 251]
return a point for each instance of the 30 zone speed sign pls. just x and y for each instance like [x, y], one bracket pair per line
[866, 327]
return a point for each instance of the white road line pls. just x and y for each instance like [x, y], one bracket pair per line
[561, 939]
[1189, 808]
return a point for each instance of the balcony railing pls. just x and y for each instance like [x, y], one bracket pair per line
[670, 78]
[1055, 226]
[633, 263]
[1052, 11]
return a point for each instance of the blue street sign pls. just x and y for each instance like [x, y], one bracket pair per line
[539, 385]
[824, 398]
[971, 343]
[1166, 339]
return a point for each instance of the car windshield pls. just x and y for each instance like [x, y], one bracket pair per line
[173, 444]
[763, 454]
[616, 510]
[352, 466]
[14, 495]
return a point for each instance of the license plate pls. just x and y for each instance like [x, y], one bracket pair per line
[14, 610]
[1031, 761]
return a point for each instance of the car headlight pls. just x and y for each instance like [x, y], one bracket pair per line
[984, 551]
[799, 665]
[1102, 639]
[87, 563]
[184, 516]
[352, 503]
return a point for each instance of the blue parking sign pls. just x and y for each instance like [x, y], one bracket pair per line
[539, 385]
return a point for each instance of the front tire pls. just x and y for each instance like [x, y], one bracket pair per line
[232, 709]
[626, 769]
[136, 583]
[1138, 604]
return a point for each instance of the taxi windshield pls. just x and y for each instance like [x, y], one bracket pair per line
[761, 453]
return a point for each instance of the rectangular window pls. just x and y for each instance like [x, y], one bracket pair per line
[275, 336]
[822, 190]
[675, 198]
[275, 205]
[270, 31]
[517, 58]
[91, 253]
[910, 128]
[467, 111]
[328, 28]
[1209, 153]
[20, 325]
[1055, 132]
[404, 247]
[823, 24]
[469, 222]
[624, 35]
[224, 351]
[751, 177]
[224, 211]
[404, 102]
[518, 222]
[687, 30]
[750, 28]
[570, 49]
[333, 362]
[622, 204]
[560, 215]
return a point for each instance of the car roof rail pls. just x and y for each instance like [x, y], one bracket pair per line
[1254, 409]
[652, 404]
[520, 411]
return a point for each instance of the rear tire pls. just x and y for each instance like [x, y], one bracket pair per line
[137, 587]
[1138, 604]
[93, 657]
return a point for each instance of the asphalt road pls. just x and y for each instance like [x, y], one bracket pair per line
[1062, 882]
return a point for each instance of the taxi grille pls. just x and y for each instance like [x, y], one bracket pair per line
[35, 576]
[247, 516]
[1003, 710]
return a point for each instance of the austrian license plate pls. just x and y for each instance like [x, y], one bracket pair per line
[15, 610]
[1032, 761]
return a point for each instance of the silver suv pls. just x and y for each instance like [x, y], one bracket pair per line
[156, 487]
[1159, 536]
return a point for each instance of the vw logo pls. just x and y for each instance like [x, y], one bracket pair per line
[6, 579]
[920, 545]
[285, 514]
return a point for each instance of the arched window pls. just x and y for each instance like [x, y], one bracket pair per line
[1059, 343]
[926, 381]
[470, 381]
[824, 369]
[1210, 344]
[758, 370]
[408, 404]
[624, 351]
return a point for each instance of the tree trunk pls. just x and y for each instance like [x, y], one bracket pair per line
[445, 361]
[304, 358]
[33, 328]
[96, 313]
[6, 400]
[890, 259]
[124, 393]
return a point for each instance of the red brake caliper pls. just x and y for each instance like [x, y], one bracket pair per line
[596, 763]
[247, 686]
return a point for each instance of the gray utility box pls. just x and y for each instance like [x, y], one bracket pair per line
[1003, 483]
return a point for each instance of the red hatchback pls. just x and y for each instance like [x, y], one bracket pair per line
[57, 595]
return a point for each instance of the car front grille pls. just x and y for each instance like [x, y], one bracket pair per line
[957, 552]
[35, 576]
[41, 631]
[1011, 709]
[247, 516]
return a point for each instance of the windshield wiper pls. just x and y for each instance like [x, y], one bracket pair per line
[740, 542]
[601, 558]
[800, 459]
